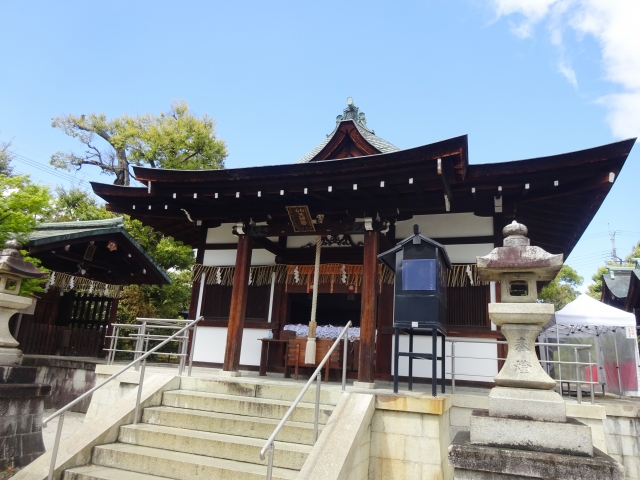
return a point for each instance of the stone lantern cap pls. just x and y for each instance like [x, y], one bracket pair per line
[12, 262]
[518, 256]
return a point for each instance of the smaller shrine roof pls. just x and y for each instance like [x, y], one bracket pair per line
[619, 284]
[115, 258]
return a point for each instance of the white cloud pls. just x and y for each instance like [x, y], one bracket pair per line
[614, 25]
[568, 72]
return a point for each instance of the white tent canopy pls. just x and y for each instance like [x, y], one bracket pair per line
[612, 336]
[585, 310]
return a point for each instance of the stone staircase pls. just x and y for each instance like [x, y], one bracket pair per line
[212, 429]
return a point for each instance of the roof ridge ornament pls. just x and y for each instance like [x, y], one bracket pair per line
[353, 113]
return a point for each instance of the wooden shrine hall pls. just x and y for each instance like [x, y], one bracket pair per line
[89, 263]
[362, 195]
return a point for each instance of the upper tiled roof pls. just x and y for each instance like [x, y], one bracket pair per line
[352, 113]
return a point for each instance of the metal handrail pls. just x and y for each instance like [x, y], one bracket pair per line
[575, 346]
[142, 338]
[315, 375]
[60, 413]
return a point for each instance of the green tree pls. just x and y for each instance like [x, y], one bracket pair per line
[635, 252]
[169, 253]
[563, 289]
[22, 205]
[174, 139]
[75, 204]
[595, 289]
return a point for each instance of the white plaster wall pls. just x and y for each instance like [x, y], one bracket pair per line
[221, 234]
[468, 253]
[446, 225]
[476, 369]
[227, 258]
[211, 341]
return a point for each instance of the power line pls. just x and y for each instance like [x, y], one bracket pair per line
[49, 170]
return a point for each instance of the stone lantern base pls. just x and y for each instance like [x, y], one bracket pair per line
[480, 462]
[525, 433]
[21, 406]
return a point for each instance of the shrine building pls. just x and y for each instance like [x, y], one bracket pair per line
[362, 195]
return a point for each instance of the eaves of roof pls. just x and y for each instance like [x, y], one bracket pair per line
[50, 233]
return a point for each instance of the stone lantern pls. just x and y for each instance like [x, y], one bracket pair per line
[525, 433]
[13, 269]
[518, 267]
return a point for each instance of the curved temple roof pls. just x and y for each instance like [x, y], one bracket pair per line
[555, 196]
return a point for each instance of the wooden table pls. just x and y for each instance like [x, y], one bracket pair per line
[265, 350]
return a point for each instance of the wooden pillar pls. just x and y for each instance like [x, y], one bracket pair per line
[238, 305]
[369, 308]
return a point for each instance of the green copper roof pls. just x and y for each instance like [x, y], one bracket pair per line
[50, 233]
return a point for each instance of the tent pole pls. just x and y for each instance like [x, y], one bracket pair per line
[615, 345]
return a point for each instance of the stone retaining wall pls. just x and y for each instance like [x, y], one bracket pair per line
[615, 428]
[622, 437]
[409, 438]
[69, 378]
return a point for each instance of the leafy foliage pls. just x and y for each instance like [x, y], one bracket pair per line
[167, 252]
[76, 204]
[22, 205]
[595, 289]
[563, 289]
[174, 139]
[635, 253]
[32, 285]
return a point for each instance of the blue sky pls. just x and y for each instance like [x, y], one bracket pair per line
[523, 78]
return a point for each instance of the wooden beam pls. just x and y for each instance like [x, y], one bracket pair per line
[269, 246]
[369, 308]
[444, 170]
[348, 228]
[238, 305]
[460, 240]
[74, 257]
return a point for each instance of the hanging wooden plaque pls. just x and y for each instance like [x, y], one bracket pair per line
[301, 219]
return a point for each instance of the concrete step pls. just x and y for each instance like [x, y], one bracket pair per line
[97, 472]
[252, 407]
[230, 447]
[179, 465]
[240, 425]
[274, 391]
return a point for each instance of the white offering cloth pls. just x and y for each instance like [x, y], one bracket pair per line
[324, 331]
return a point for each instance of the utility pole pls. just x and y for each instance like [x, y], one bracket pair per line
[612, 235]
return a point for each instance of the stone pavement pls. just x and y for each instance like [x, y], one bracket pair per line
[72, 421]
